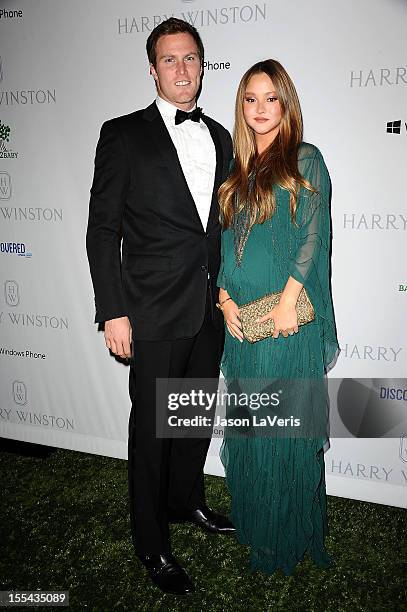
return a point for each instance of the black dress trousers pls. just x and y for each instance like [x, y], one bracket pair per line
[166, 474]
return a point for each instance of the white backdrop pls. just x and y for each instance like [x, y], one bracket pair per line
[65, 67]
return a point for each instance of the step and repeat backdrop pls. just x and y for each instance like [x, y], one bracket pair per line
[65, 67]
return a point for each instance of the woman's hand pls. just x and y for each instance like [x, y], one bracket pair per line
[231, 315]
[285, 319]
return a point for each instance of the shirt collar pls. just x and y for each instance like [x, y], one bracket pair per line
[167, 109]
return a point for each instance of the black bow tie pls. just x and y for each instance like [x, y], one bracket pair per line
[181, 116]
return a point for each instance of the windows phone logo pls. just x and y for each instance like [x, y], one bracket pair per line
[394, 127]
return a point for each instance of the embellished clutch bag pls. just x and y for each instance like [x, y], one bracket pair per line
[248, 313]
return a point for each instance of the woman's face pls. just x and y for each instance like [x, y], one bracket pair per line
[261, 107]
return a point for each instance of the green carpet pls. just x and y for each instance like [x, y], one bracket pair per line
[64, 526]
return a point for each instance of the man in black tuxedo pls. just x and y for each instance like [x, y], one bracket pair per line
[153, 244]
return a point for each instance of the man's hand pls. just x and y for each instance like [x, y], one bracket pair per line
[118, 336]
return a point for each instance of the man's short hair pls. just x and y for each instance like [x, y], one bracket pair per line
[172, 26]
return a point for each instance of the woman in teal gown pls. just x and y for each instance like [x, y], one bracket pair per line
[275, 212]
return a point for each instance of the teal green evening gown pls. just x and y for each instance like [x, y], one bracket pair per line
[277, 484]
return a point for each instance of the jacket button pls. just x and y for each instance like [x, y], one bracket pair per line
[204, 268]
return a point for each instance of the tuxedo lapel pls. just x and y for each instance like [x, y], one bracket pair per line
[169, 156]
[213, 218]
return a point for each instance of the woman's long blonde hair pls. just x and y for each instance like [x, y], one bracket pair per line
[277, 165]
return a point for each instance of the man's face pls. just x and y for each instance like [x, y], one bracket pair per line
[178, 69]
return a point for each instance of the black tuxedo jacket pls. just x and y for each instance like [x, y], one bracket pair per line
[149, 254]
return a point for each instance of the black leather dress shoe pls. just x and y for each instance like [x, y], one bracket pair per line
[205, 518]
[167, 573]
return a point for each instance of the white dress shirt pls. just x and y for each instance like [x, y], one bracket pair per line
[197, 156]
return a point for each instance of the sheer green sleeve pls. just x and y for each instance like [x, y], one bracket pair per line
[311, 263]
